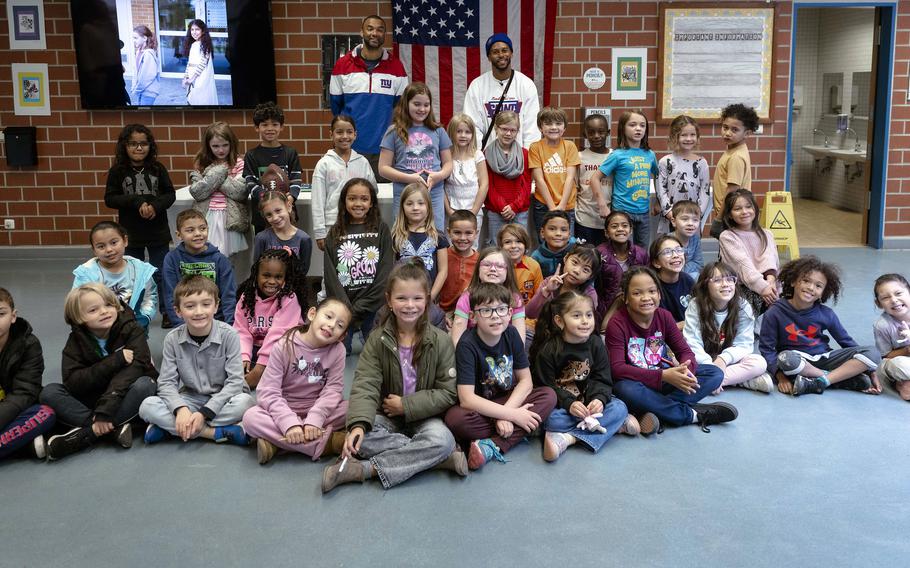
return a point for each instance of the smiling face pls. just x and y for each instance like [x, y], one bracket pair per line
[220, 148]
[687, 224]
[373, 33]
[643, 296]
[419, 108]
[513, 246]
[463, 135]
[553, 131]
[808, 289]
[271, 276]
[576, 322]
[407, 301]
[733, 131]
[415, 209]
[97, 315]
[276, 213]
[721, 287]
[743, 214]
[357, 202]
[269, 130]
[688, 138]
[491, 319]
[596, 131]
[462, 235]
[618, 230]
[492, 268]
[195, 32]
[137, 148]
[343, 136]
[894, 298]
[108, 246]
[577, 271]
[670, 258]
[328, 324]
[500, 56]
[198, 311]
[555, 233]
[194, 232]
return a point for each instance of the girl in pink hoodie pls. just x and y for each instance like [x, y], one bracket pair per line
[300, 398]
[269, 303]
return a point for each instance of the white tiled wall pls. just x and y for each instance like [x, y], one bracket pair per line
[829, 40]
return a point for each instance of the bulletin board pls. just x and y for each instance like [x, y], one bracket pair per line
[710, 56]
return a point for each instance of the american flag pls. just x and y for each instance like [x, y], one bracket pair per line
[441, 43]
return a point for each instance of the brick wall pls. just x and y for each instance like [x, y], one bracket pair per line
[55, 202]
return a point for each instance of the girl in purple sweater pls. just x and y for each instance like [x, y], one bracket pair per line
[269, 303]
[299, 401]
[654, 370]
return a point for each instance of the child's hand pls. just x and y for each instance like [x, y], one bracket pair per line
[578, 410]
[320, 243]
[525, 418]
[555, 281]
[504, 428]
[604, 209]
[350, 447]
[246, 367]
[595, 406]
[418, 178]
[681, 378]
[770, 295]
[784, 384]
[876, 387]
[904, 332]
[432, 178]
[719, 363]
[392, 406]
[507, 213]
[189, 424]
[311, 433]
[102, 427]
[127, 356]
[295, 435]
[252, 378]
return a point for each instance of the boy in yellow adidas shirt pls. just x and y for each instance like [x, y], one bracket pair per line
[554, 165]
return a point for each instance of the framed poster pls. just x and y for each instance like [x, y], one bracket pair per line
[629, 67]
[26, 24]
[710, 56]
[30, 89]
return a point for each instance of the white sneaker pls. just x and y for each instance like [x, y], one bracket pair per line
[40, 447]
[761, 383]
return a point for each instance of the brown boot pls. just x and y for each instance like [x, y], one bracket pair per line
[265, 451]
[456, 462]
[333, 476]
[335, 445]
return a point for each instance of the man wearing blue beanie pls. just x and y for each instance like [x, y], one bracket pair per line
[482, 100]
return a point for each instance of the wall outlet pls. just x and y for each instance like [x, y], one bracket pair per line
[9, 224]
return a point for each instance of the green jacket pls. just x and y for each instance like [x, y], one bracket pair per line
[378, 374]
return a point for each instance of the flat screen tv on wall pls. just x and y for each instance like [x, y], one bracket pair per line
[174, 54]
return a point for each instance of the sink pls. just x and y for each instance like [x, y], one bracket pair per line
[848, 156]
[818, 152]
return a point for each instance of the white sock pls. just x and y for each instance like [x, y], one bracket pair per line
[694, 416]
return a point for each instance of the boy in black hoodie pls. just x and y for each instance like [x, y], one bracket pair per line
[22, 419]
[107, 372]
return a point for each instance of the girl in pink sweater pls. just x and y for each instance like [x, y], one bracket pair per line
[269, 303]
[749, 250]
[299, 402]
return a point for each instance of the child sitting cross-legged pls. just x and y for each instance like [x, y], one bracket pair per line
[201, 391]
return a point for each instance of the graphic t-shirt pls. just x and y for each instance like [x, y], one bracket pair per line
[554, 162]
[120, 284]
[420, 153]
[421, 246]
[632, 170]
[490, 368]
[646, 352]
[300, 245]
[675, 297]
[586, 212]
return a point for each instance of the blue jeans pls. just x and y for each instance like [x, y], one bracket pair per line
[146, 100]
[437, 200]
[34, 421]
[156, 259]
[541, 209]
[495, 223]
[400, 450]
[590, 236]
[671, 405]
[365, 327]
[614, 414]
[641, 229]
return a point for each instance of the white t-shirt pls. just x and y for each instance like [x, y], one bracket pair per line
[483, 94]
[586, 212]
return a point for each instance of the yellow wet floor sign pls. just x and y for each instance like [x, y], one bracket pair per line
[779, 209]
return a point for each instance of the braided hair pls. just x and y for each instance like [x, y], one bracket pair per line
[294, 282]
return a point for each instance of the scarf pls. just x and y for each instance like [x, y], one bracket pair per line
[508, 166]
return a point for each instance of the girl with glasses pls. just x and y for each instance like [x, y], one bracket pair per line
[668, 258]
[492, 267]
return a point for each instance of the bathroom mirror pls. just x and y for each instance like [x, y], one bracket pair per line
[832, 91]
[859, 94]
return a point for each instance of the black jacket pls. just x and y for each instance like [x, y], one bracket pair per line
[21, 368]
[90, 376]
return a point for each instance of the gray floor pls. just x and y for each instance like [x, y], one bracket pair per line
[814, 481]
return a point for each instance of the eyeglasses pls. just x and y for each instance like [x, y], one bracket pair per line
[505, 130]
[678, 251]
[137, 145]
[487, 313]
[729, 279]
[492, 264]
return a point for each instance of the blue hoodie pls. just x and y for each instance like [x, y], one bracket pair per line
[784, 328]
[210, 263]
[144, 304]
[548, 259]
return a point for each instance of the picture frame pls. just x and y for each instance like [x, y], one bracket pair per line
[629, 79]
[25, 19]
[712, 55]
[31, 94]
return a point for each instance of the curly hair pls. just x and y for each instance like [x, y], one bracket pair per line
[801, 267]
[294, 282]
[205, 39]
[122, 158]
[742, 113]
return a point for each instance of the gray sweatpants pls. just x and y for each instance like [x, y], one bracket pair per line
[155, 411]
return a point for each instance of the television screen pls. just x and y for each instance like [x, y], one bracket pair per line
[174, 53]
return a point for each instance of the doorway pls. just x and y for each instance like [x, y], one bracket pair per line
[833, 165]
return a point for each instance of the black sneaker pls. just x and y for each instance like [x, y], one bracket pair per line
[62, 445]
[807, 385]
[125, 436]
[858, 383]
[714, 413]
[166, 322]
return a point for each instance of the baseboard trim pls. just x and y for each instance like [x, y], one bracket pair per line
[45, 252]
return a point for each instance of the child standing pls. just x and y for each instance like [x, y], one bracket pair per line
[22, 420]
[589, 225]
[581, 265]
[632, 165]
[217, 185]
[416, 149]
[492, 268]
[498, 403]
[268, 119]
[617, 255]
[654, 369]
[199, 77]
[720, 329]
[358, 255]
[682, 174]
[275, 207]
[687, 219]
[339, 164]
[567, 357]
[509, 196]
[140, 189]
[892, 330]
[749, 249]
[147, 74]
[462, 257]
[554, 162]
[201, 392]
[514, 240]
[195, 255]
[269, 303]
[734, 168]
[467, 187]
[794, 335]
[107, 372]
[668, 258]
[404, 381]
[300, 402]
[415, 235]
[556, 240]
[129, 278]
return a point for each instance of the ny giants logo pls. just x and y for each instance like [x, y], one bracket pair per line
[385, 83]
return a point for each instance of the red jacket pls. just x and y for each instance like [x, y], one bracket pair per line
[503, 191]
